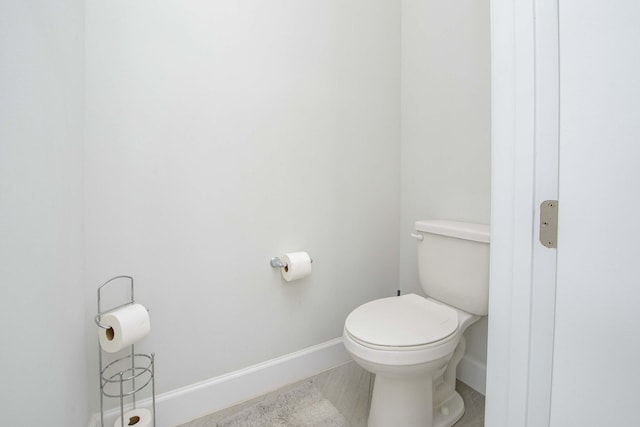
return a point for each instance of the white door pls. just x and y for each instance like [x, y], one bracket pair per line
[596, 359]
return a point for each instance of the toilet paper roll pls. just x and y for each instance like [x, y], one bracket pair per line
[298, 265]
[125, 326]
[136, 417]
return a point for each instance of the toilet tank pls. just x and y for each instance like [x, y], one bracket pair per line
[453, 263]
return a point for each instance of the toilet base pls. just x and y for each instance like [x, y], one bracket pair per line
[406, 402]
[409, 403]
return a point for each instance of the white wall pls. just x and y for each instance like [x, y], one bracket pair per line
[446, 127]
[220, 134]
[44, 380]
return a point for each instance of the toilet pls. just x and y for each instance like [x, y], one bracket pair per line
[413, 344]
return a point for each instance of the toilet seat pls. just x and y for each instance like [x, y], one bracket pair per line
[408, 322]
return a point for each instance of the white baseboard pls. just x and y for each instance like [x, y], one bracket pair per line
[473, 373]
[190, 402]
[187, 403]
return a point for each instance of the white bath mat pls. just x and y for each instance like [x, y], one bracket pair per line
[302, 406]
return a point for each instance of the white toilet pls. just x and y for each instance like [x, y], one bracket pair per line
[413, 344]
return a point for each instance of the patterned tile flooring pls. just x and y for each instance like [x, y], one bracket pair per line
[348, 388]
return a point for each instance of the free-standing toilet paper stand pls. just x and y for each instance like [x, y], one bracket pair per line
[126, 376]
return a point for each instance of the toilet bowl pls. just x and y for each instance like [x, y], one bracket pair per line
[411, 364]
[413, 344]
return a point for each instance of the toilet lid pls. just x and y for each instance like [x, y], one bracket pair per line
[408, 320]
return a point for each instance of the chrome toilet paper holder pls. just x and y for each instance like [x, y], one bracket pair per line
[276, 262]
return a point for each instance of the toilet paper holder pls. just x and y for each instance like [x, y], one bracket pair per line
[124, 377]
[276, 262]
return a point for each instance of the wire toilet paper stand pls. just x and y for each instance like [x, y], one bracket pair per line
[126, 376]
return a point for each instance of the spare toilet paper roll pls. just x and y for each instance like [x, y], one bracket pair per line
[298, 265]
[125, 326]
[136, 417]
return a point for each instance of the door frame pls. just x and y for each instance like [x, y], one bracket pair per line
[525, 113]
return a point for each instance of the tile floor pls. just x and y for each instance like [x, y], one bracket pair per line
[348, 388]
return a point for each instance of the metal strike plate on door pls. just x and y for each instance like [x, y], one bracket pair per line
[549, 223]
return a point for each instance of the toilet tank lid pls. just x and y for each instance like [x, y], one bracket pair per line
[460, 230]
